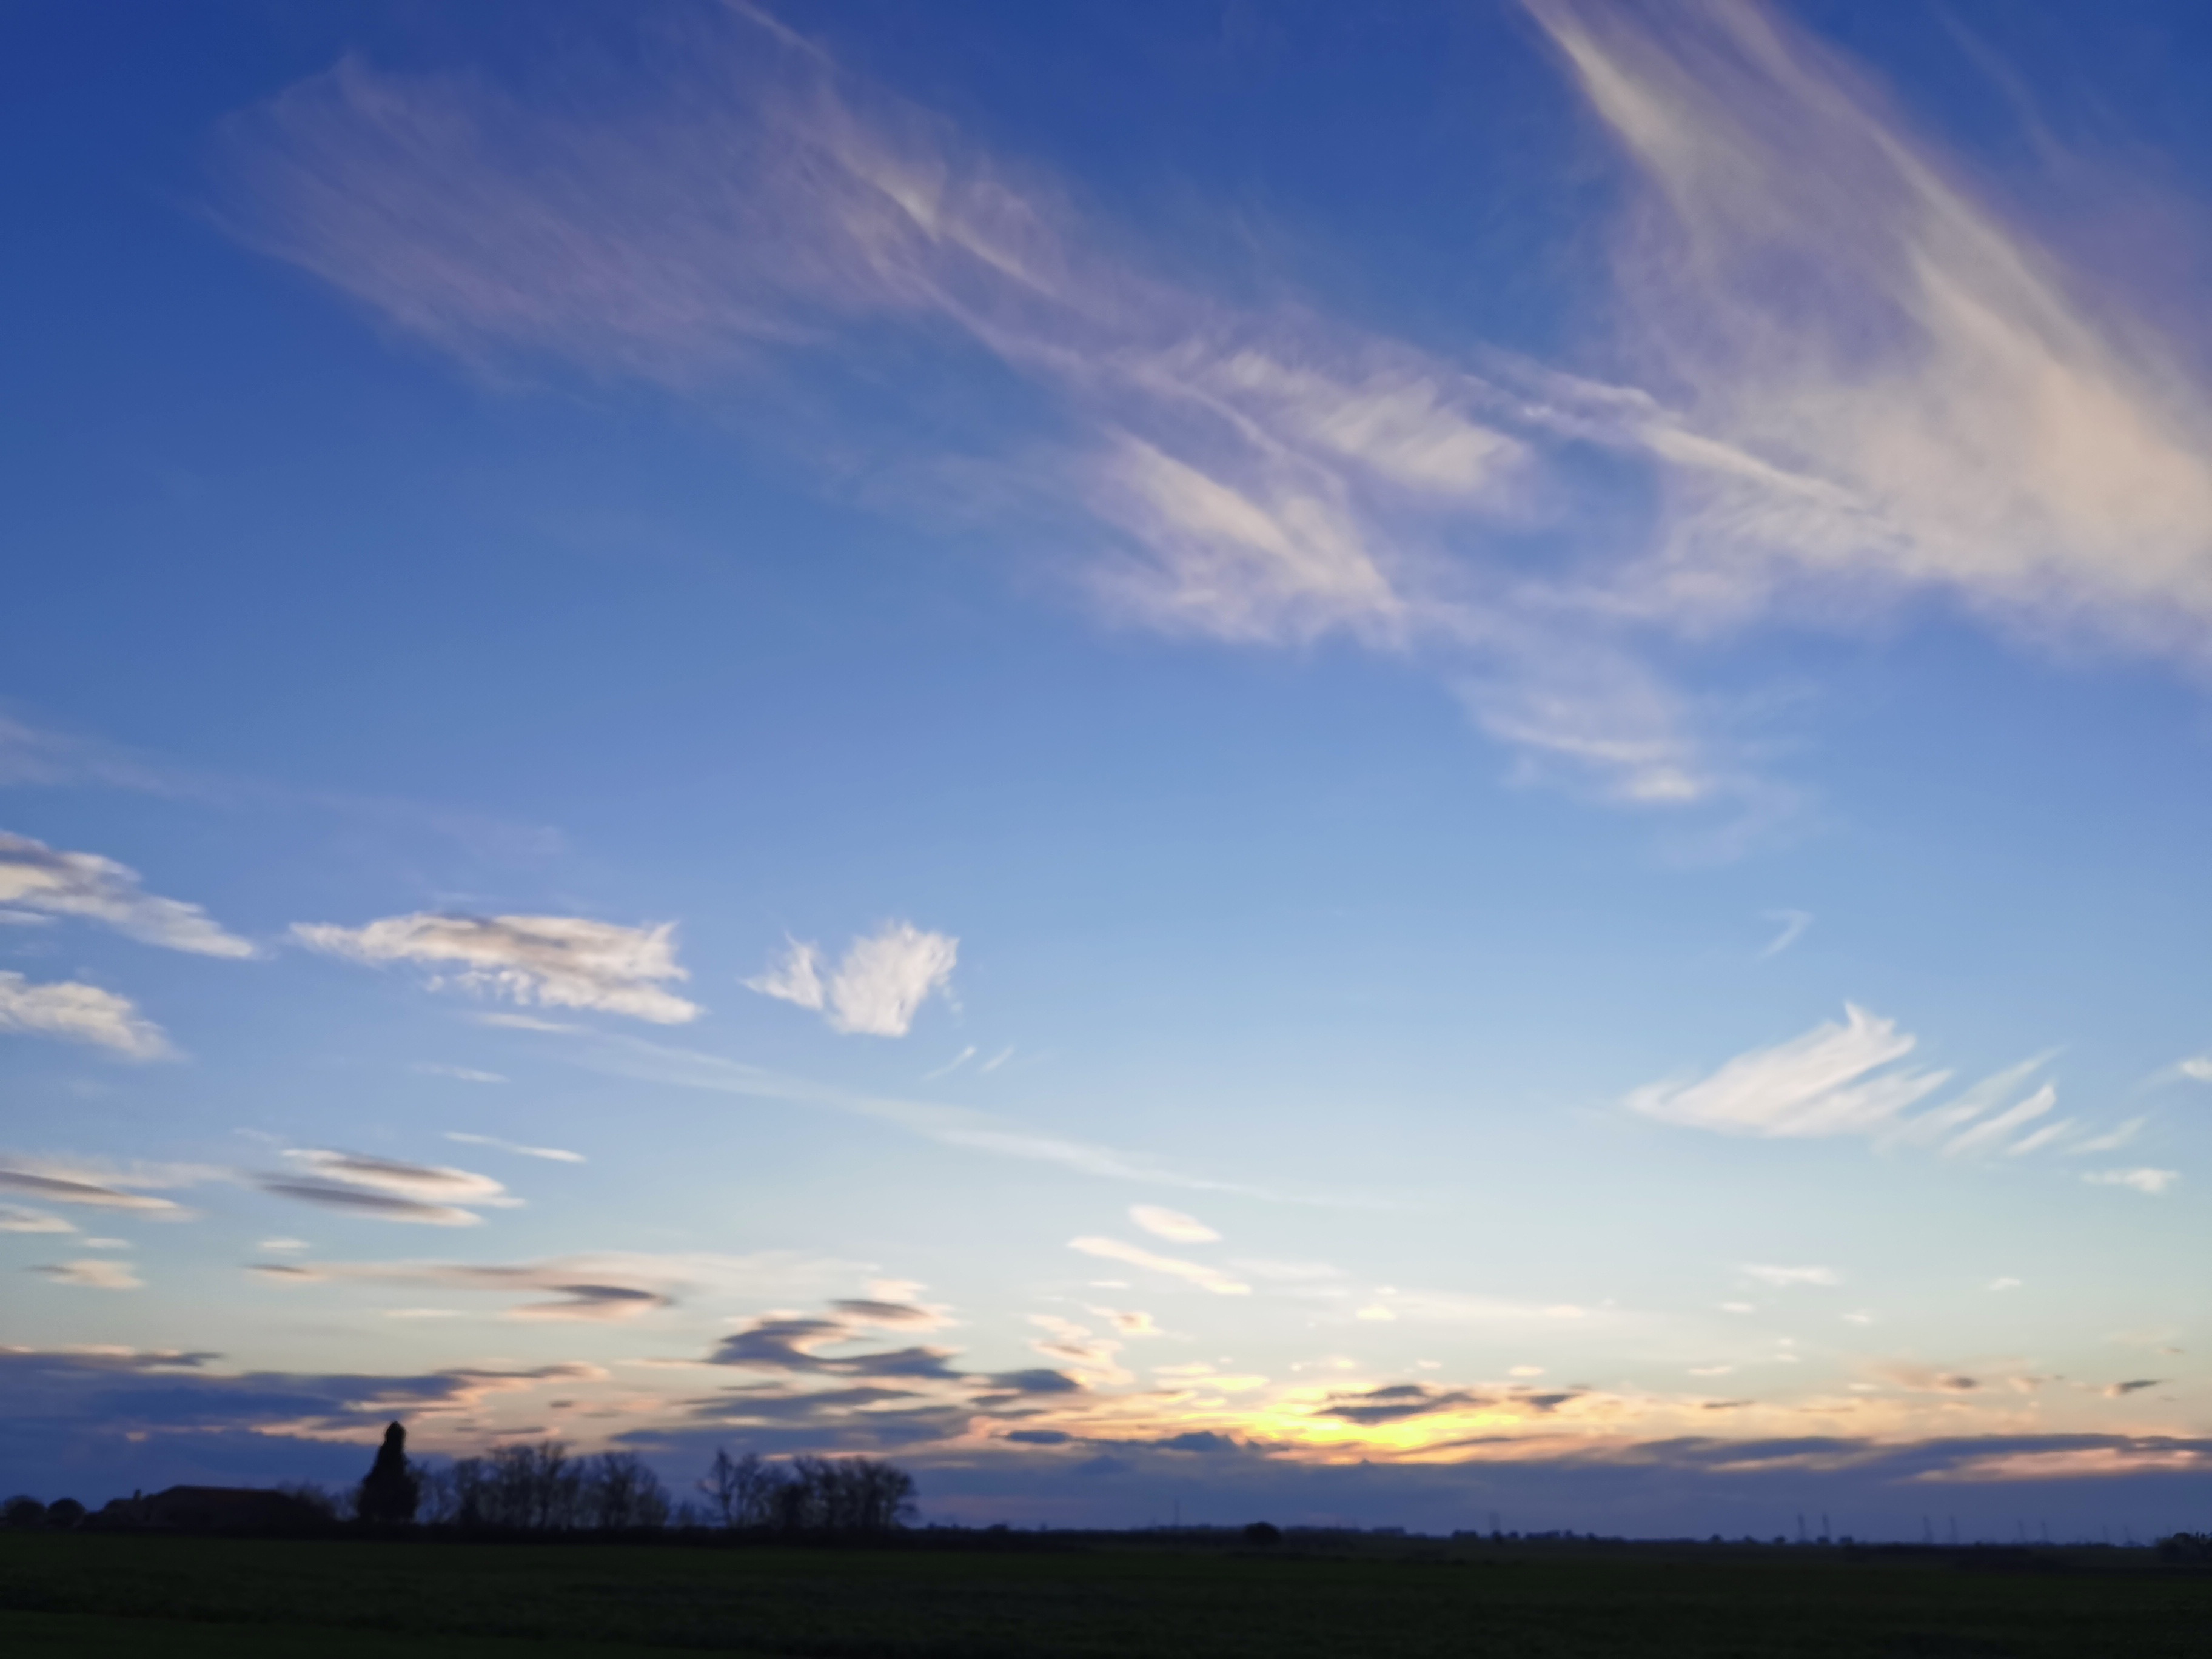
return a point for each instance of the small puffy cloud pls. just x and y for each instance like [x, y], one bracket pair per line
[2121, 1390]
[94, 1274]
[2150, 1182]
[1172, 1225]
[2198, 1066]
[1113, 1249]
[44, 880]
[878, 988]
[554, 1153]
[1781, 1278]
[555, 962]
[13, 1219]
[362, 1201]
[77, 1013]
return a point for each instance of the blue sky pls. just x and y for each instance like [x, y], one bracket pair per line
[1366, 767]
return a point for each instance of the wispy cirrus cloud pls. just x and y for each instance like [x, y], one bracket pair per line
[1893, 391]
[553, 1154]
[46, 881]
[1849, 1080]
[555, 962]
[77, 1013]
[948, 1125]
[878, 986]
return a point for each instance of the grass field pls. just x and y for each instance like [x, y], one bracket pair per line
[92, 1594]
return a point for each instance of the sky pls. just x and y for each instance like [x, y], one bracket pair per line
[1440, 765]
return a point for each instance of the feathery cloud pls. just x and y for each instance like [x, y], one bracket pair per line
[1847, 1080]
[555, 962]
[1172, 1225]
[44, 880]
[1884, 388]
[77, 1012]
[878, 988]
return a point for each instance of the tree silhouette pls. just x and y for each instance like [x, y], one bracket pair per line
[390, 1489]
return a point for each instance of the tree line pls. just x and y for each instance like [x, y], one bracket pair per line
[544, 1487]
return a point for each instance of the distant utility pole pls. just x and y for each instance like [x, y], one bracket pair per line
[1825, 1534]
[1800, 1527]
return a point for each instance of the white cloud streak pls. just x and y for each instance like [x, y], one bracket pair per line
[2150, 1182]
[878, 986]
[14, 1219]
[949, 1125]
[44, 880]
[555, 962]
[94, 1274]
[1172, 1225]
[77, 1012]
[1783, 1278]
[554, 1154]
[1205, 1278]
[1793, 924]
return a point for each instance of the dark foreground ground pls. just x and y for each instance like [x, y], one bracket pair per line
[339, 1598]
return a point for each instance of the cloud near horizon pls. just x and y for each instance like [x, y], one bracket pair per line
[878, 986]
[554, 961]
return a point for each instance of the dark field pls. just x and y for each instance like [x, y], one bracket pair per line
[174, 1595]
